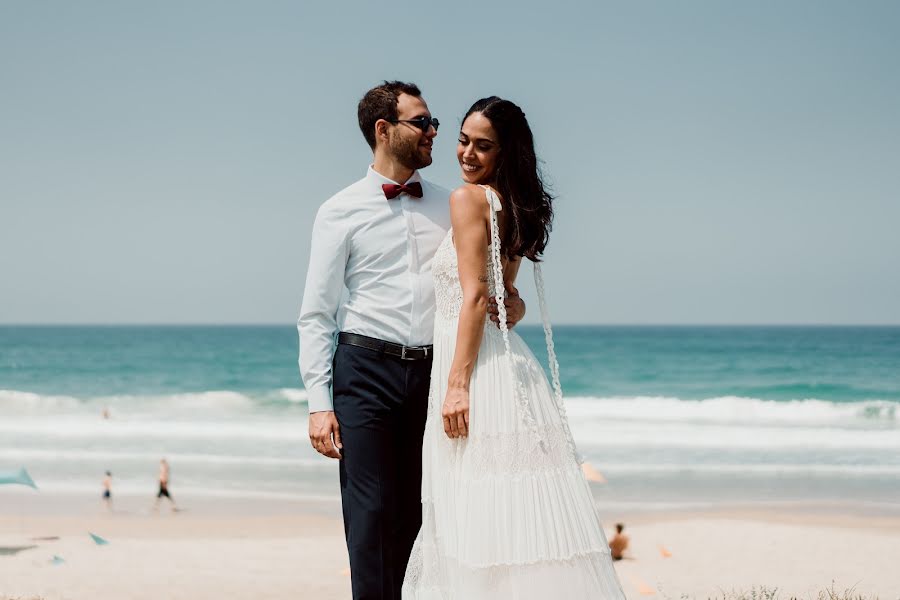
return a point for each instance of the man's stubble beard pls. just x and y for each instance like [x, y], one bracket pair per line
[405, 151]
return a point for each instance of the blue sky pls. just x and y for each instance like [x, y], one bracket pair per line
[715, 162]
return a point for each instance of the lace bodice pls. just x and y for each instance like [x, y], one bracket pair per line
[445, 271]
[448, 300]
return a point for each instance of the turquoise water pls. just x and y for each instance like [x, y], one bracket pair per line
[836, 364]
[673, 416]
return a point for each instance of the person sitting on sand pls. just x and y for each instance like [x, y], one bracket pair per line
[619, 543]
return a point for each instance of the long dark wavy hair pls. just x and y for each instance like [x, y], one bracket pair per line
[518, 180]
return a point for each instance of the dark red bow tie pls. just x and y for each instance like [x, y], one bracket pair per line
[392, 190]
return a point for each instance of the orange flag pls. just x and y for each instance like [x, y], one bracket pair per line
[642, 588]
[592, 474]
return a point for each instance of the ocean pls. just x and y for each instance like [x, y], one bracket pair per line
[674, 417]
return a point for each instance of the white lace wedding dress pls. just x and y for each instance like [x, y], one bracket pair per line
[506, 513]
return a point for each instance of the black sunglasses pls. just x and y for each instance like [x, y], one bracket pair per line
[423, 123]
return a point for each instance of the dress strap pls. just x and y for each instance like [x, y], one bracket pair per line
[500, 291]
[554, 364]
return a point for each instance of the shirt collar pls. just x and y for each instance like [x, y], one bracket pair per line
[378, 179]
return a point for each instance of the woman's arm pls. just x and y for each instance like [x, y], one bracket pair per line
[469, 217]
[515, 306]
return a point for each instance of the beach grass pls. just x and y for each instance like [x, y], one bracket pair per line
[766, 593]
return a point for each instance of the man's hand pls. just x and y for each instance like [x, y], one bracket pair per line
[456, 413]
[515, 308]
[325, 434]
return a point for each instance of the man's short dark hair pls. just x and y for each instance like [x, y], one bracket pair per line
[620, 527]
[381, 103]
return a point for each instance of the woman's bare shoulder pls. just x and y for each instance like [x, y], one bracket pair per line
[468, 198]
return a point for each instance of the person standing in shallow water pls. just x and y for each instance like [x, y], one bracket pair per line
[107, 491]
[369, 395]
[164, 478]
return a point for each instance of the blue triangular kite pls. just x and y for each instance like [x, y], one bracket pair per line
[98, 540]
[20, 477]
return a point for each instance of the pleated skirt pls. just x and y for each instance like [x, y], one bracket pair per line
[507, 512]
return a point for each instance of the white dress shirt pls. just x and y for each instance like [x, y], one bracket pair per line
[380, 250]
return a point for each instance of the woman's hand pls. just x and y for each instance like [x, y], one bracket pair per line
[456, 413]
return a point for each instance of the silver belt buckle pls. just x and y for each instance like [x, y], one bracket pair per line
[405, 348]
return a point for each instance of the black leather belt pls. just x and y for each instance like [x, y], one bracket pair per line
[390, 348]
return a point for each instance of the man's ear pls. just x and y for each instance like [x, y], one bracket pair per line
[381, 130]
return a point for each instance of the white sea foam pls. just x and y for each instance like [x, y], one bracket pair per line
[214, 404]
[113, 455]
[760, 469]
[298, 396]
[79, 430]
[710, 436]
[217, 402]
[81, 427]
[212, 401]
[733, 409]
[16, 402]
[110, 458]
[224, 418]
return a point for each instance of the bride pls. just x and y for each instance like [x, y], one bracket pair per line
[507, 512]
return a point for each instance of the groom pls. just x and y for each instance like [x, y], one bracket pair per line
[368, 397]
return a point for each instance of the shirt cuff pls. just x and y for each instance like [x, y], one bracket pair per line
[319, 399]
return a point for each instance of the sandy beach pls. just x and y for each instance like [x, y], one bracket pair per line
[280, 551]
